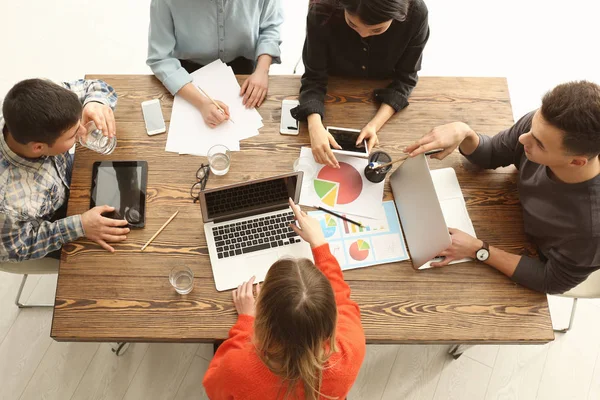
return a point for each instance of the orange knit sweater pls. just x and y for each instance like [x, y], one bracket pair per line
[236, 371]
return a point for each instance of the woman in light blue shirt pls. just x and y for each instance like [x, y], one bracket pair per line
[188, 34]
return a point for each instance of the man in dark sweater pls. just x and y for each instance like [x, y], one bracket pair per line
[556, 150]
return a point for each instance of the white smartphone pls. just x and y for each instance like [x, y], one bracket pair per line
[288, 125]
[346, 138]
[155, 123]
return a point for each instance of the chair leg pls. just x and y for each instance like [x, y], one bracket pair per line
[296, 66]
[120, 348]
[18, 299]
[458, 349]
[570, 319]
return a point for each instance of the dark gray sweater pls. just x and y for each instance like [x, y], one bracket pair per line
[562, 219]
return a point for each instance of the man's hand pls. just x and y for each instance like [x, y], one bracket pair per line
[463, 245]
[255, 88]
[103, 117]
[447, 137]
[211, 113]
[101, 229]
[310, 229]
[243, 298]
[321, 142]
[369, 132]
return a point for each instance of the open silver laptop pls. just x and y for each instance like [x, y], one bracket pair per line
[428, 202]
[247, 228]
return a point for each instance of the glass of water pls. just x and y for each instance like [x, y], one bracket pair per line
[219, 159]
[95, 140]
[306, 165]
[182, 279]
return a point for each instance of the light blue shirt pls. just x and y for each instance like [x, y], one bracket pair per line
[205, 30]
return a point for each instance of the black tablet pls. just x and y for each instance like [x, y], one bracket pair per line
[122, 185]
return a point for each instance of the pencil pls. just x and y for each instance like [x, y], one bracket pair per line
[212, 100]
[404, 157]
[160, 230]
[339, 216]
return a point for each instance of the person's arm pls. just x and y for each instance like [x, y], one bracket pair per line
[486, 151]
[161, 44]
[27, 240]
[564, 269]
[215, 378]
[406, 71]
[330, 267]
[93, 90]
[314, 80]
[99, 100]
[269, 33]
[500, 150]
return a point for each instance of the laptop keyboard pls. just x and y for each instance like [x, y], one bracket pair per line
[253, 235]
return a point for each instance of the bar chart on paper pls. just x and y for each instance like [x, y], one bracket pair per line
[378, 241]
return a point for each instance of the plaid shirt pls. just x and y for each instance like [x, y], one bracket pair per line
[33, 190]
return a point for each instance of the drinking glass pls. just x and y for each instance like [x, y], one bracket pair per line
[306, 165]
[95, 140]
[182, 279]
[219, 159]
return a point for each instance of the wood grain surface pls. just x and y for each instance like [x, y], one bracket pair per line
[126, 296]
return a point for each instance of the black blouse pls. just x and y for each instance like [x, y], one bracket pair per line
[333, 48]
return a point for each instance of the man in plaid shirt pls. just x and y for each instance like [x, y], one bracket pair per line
[40, 122]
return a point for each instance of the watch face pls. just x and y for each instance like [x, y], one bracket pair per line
[482, 254]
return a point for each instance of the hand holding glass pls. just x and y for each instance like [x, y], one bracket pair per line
[95, 140]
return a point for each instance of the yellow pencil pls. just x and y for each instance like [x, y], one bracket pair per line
[160, 230]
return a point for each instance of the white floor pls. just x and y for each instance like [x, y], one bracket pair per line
[534, 43]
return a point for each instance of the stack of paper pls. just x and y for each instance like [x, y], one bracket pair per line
[189, 134]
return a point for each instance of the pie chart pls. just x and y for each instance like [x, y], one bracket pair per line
[338, 185]
[328, 226]
[359, 250]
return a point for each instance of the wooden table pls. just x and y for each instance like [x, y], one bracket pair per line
[126, 296]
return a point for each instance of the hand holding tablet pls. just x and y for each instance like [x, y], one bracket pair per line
[347, 138]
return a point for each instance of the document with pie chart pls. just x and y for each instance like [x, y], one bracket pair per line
[343, 189]
[379, 241]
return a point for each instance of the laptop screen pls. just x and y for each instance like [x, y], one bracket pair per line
[250, 198]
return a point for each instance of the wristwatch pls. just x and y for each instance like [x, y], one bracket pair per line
[484, 252]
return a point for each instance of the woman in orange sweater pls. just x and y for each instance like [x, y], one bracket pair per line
[302, 340]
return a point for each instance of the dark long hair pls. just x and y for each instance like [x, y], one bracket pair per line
[370, 12]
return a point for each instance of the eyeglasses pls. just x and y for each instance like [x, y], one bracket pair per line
[201, 179]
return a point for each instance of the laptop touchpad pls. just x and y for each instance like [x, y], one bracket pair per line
[260, 264]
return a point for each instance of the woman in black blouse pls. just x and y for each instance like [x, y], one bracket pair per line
[379, 39]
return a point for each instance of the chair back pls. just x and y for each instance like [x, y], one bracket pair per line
[46, 265]
[588, 289]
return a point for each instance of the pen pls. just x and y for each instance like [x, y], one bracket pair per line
[339, 216]
[404, 157]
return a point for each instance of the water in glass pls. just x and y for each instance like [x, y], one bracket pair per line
[182, 279]
[95, 140]
[219, 164]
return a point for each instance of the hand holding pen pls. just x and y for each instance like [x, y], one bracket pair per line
[446, 137]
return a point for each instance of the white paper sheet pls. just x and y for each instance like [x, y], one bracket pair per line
[189, 134]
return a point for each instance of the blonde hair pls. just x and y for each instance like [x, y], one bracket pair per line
[296, 317]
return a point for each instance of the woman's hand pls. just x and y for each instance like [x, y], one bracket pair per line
[212, 115]
[321, 142]
[243, 298]
[255, 88]
[369, 132]
[310, 229]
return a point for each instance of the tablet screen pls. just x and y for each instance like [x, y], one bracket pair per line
[347, 140]
[122, 185]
